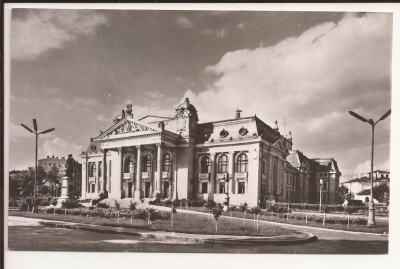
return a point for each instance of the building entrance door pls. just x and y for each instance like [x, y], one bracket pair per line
[129, 189]
[147, 190]
[166, 190]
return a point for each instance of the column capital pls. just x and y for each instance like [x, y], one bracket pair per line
[160, 145]
[138, 147]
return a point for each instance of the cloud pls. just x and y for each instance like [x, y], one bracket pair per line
[184, 22]
[365, 167]
[59, 147]
[43, 30]
[155, 94]
[240, 25]
[312, 80]
[101, 117]
[220, 33]
[16, 132]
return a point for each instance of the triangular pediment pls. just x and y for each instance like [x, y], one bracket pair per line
[126, 128]
[279, 144]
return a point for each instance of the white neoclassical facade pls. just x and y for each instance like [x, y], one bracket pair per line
[180, 158]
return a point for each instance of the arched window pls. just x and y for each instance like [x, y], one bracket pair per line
[129, 164]
[223, 164]
[147, 163]
[167, 163]
[99, 169]
[92, 169]
[242, 163]
[205, 165]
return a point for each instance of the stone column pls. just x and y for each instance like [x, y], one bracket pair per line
[158, 179]
[120, 172]
[138, 184]
[96, 178]
[212, 175]
[231, 171]
[104, 172]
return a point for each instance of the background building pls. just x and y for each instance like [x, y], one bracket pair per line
[52, 162]
[180, 158]
[360, 187]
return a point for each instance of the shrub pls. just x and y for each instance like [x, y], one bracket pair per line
[13, 203]
[196, 203]
[132, 206]
[243, 207]
[210, 204]
[359, 221]
[232, 208]
[155, 202]
[102, 205]
[70, 204]
[54, 201]
[117, 205]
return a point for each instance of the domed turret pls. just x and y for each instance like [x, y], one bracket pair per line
[186, 110]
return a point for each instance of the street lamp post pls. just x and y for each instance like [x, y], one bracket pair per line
[36, 133]
[371, 206]
[226, 206]
[321, 181]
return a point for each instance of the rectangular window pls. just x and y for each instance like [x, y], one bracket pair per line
[241, 187]
[263, 167]
[204, 187]
[222, 187]
[325, 186]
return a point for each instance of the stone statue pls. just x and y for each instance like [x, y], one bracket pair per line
[69, 166]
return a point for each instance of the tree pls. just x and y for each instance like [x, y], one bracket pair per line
[26, 180]
[381, 193]
[216, 212]
[343, 194]
[14, 188]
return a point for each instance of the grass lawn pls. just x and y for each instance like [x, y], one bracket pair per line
[380, 228]
[183, 223]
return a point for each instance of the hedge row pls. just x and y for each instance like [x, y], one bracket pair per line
[140, 214]
[317, 218]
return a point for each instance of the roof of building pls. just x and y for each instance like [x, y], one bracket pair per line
[364, 192]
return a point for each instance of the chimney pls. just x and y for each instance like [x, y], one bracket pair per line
[53, 156]
[238, 113]
[47, 156]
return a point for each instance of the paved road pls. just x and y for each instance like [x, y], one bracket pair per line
[25, 236]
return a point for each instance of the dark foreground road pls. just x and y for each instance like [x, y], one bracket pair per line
[39, 238]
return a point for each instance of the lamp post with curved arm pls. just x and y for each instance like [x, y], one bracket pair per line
[36, 133]
[371, 206]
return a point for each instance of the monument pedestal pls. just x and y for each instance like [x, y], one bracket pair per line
[67, 190]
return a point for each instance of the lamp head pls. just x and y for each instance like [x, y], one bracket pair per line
[355, 115]
[386, 114]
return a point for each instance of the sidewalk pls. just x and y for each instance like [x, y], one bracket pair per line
[199, 238]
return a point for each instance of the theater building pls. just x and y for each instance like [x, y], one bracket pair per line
[179, 158]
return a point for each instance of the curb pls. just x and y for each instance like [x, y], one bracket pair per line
[265, 240]
[88, 228]
[278, 240]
